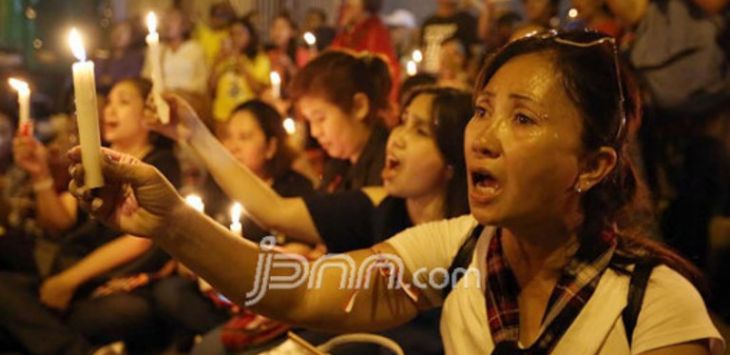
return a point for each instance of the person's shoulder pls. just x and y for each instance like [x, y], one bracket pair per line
[292, 183]
[673, 312]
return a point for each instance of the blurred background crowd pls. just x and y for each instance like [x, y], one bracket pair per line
[238, 62]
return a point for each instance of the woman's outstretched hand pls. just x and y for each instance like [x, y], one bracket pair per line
[184, 121]
[136, 197]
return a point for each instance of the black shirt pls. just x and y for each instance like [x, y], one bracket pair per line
[218, 204]
[341, 175]
[90, 234]
[349, 221]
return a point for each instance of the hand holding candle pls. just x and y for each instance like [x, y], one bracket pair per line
[87, 114]
[158, 85]
[21, 87]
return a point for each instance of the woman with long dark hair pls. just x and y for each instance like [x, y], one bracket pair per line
[554, 265]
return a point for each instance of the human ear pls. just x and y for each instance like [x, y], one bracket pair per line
[271, 147]
[595, 168]
[361, 106]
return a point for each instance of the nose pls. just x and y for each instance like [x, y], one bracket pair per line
[315, 130]
[486, 143]
[396, 138]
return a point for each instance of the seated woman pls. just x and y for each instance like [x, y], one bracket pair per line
[98, 274]
[550, 258]
[424, 181]
[344, 98]
[255, 138]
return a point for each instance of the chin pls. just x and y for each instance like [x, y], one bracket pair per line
[488, 216]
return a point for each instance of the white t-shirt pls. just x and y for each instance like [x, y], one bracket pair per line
[184, 69]
[673, 312]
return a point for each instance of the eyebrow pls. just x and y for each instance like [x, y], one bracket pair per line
[514, 96]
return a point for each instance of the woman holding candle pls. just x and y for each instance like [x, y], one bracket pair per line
[183, 62]
[422, 183]
[255, 138]
[99, 277]
[550, 186]
[241, 72]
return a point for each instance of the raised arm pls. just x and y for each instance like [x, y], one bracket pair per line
[287, 215]
[56, 211]
[144, 203]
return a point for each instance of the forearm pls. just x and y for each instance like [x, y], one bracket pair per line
[107, 257]
[231, 265]
[53, 211]
[261, 202]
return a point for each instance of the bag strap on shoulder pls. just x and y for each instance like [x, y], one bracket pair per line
[463, 257]
[637, 288]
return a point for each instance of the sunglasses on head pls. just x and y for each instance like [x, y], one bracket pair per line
[587, 39]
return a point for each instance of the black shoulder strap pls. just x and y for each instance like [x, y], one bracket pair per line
[463, 257]
[637, 289]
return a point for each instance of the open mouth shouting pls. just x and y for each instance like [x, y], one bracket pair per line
[391, 168]
[484, 186]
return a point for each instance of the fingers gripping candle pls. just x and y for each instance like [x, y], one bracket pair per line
[158, 85]
[87, 114]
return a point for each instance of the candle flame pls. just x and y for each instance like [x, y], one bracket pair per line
[236, 211]
[417, 56]
[275, 78]
[196, 202]
[412, 68]
[18, 85]
[310, 38]
[290, 126]
[152, 22]
[77, 45]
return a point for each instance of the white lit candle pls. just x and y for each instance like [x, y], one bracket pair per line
[21, 87]
[236, 211]
[573, 13]
[310, 39]
[290, 126]
[412, 68]
[87, 113]
[275, 84]
[158, 85]
[417, 56]
[196, 202]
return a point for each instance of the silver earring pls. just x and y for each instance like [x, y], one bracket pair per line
[578, 189]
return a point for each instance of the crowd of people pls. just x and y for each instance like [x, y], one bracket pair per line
[579, 161]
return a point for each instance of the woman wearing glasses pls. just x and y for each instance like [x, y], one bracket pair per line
[549, 186]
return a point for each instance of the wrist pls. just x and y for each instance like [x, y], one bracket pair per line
[42, 183]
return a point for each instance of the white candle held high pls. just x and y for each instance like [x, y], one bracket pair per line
[87, 113]
[275, 84]
[158, 85]
[310, 39]
[236, 211]
[23, 90]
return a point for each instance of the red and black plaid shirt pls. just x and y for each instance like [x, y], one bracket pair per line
[573, 290]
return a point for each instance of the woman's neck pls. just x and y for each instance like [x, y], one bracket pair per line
[427, 208]
[175, 43]
[361, 138]
[137, 148]
[539, 250]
